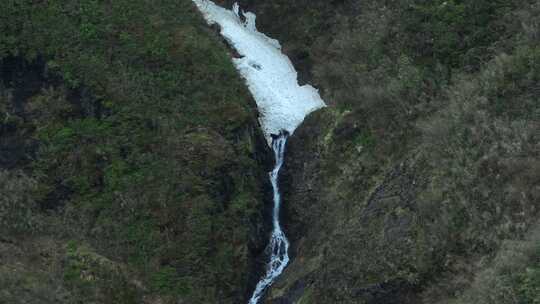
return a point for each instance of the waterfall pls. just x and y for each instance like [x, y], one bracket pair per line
[279, 245]
[281, 102]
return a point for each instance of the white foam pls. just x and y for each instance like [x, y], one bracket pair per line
[269, 74]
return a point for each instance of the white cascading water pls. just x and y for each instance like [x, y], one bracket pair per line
[282, 104]
[279, 245]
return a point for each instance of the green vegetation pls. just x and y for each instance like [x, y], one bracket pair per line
[410, 188]
[96, 279]
[512, 277]
[529, 288]
[134, 136]
[129, 166]
[17, 205]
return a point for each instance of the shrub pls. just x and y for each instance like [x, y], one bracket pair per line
[17, 205]
[512, 277]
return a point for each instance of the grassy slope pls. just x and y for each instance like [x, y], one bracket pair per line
[132, 170]
[412, 185]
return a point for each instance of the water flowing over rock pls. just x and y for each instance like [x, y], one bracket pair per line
[279, 245]
[282, 104]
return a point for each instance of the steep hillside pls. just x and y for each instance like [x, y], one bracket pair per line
[132, 168]
[420, 184]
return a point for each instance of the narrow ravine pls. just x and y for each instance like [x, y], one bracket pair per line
[279, 245]
[281, 102]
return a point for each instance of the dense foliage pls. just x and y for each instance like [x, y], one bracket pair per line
[129, 141]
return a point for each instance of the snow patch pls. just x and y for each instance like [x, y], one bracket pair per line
[269, 74]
